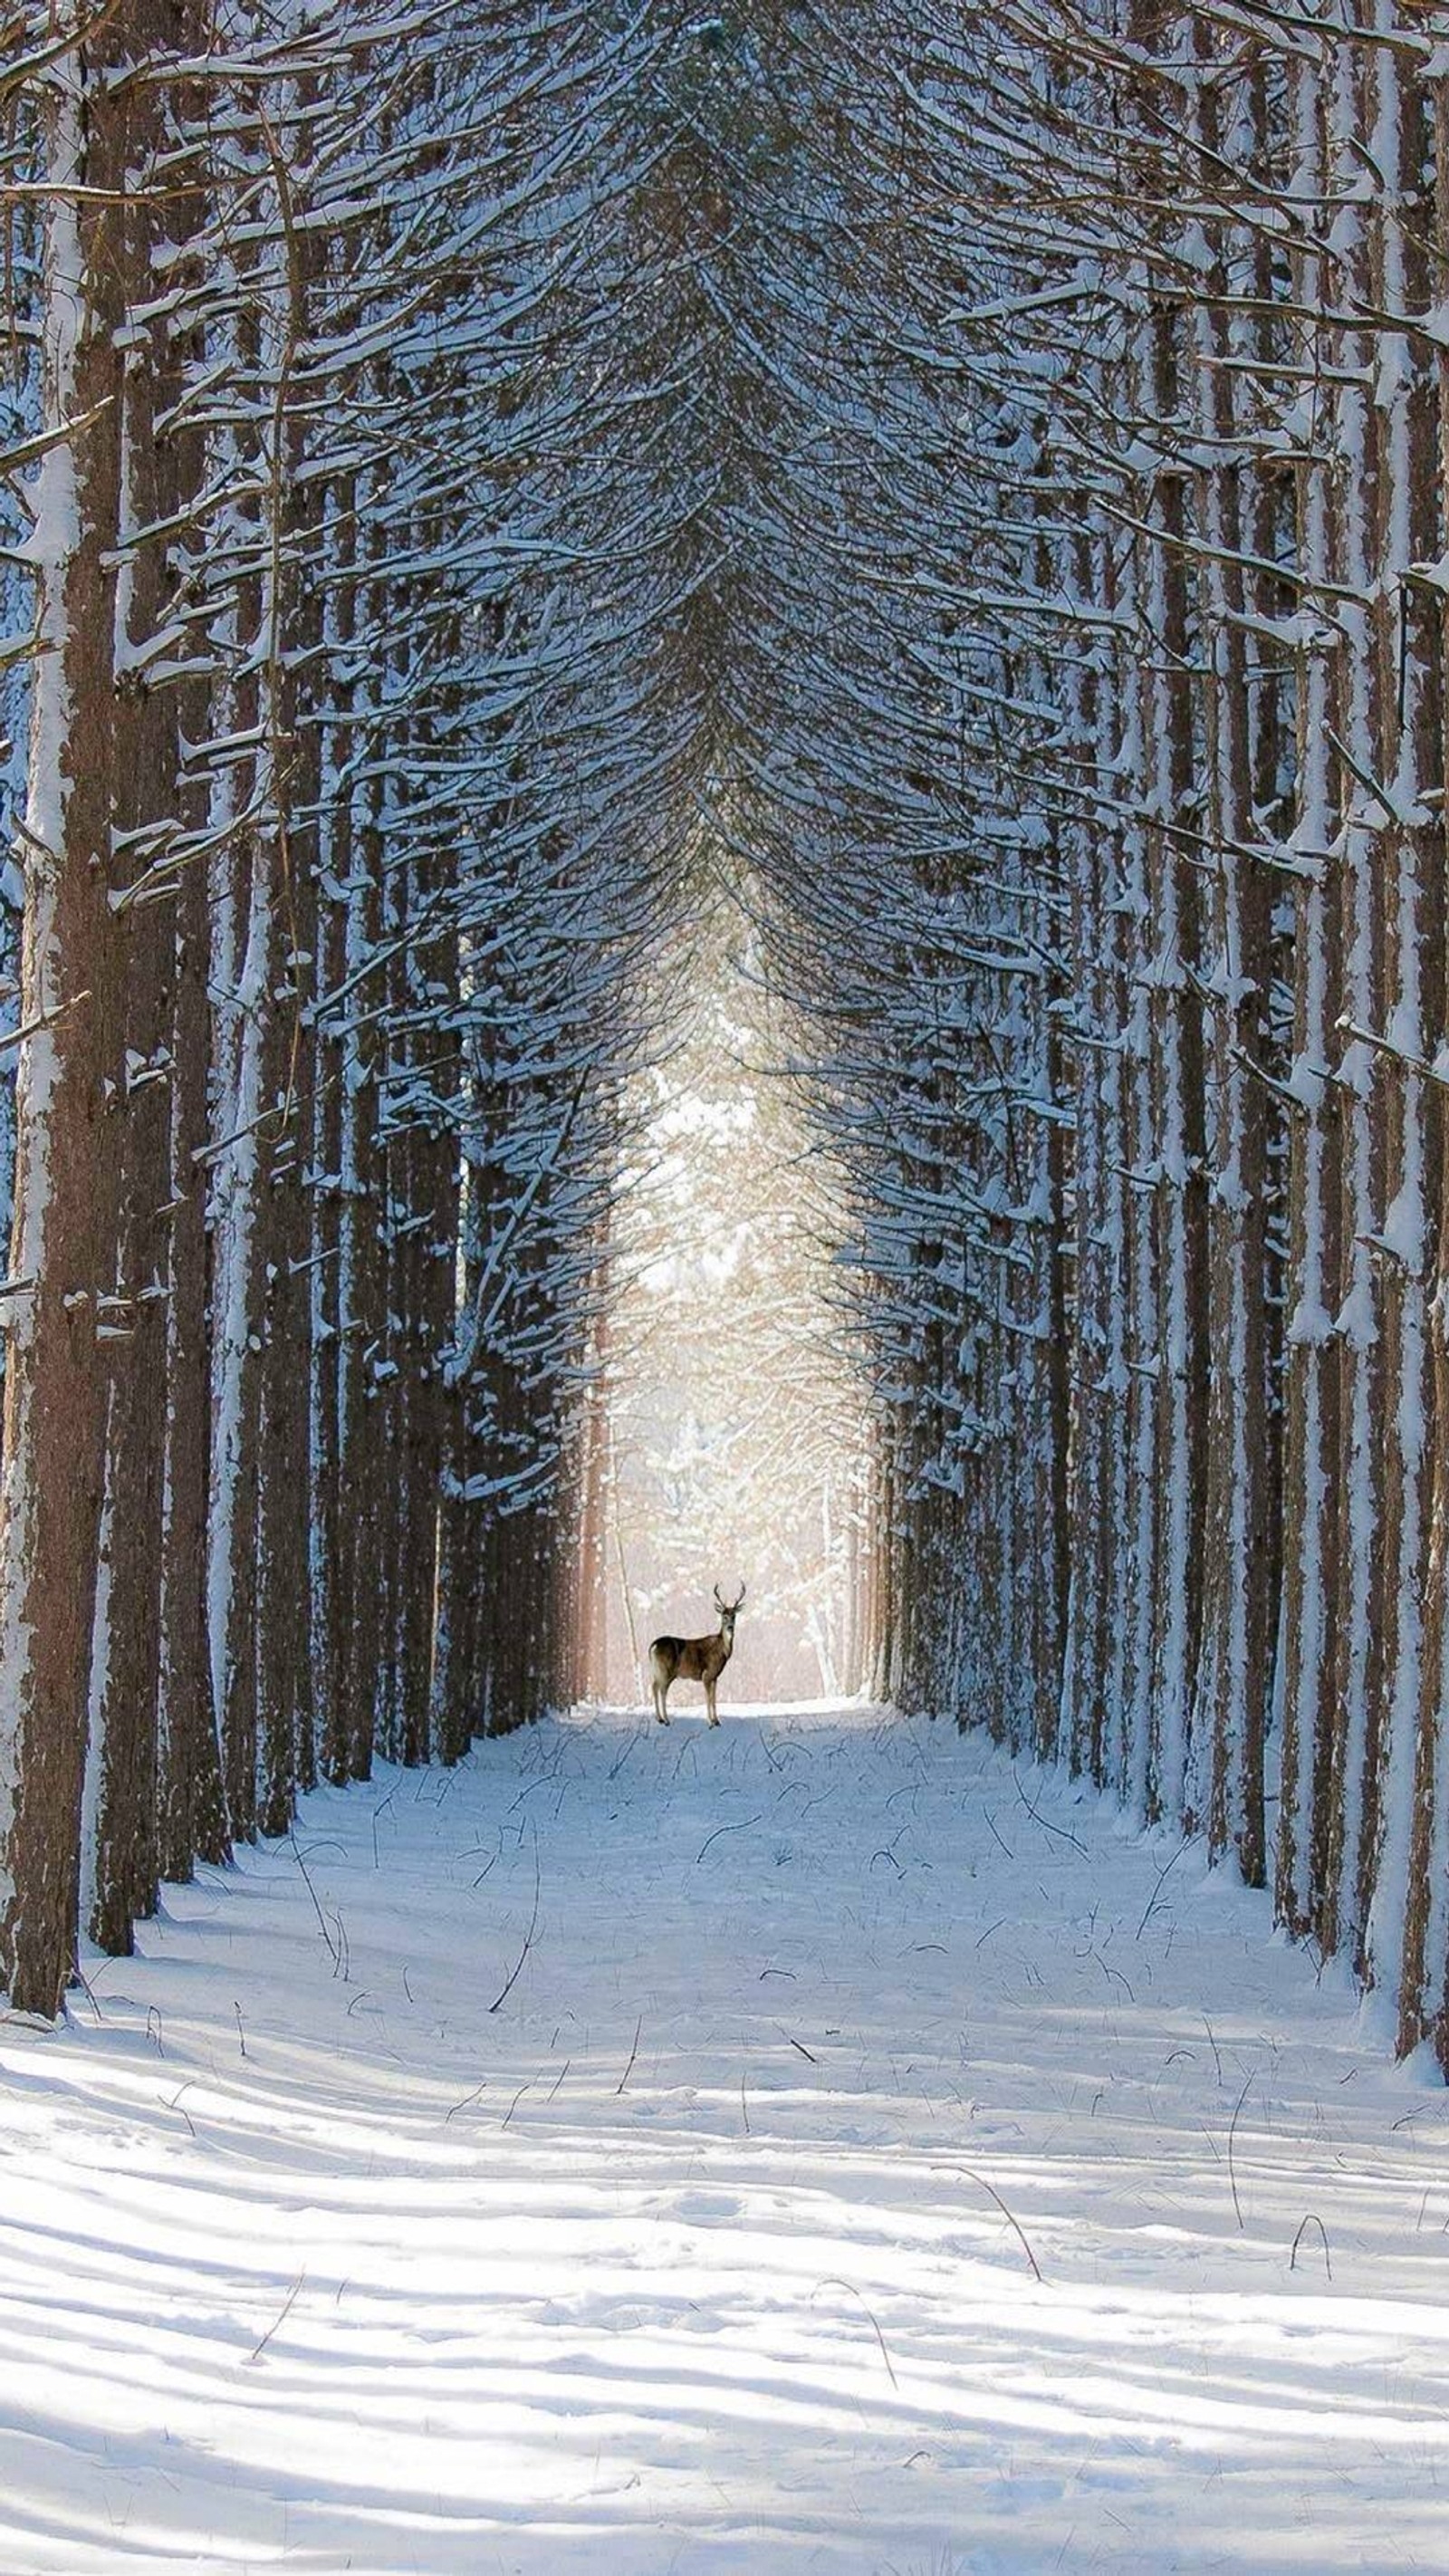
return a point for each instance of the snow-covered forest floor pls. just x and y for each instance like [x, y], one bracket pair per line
[600, 2157]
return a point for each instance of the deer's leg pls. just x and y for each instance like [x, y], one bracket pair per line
[661, 1702]
[709, 1692]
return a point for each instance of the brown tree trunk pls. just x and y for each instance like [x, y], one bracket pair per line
[71, 1080]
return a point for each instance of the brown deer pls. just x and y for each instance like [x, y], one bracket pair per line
[694, 1659]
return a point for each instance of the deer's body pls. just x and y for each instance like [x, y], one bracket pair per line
[694, 1659]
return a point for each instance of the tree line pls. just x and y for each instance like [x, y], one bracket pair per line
[1117, 809]
[328, 873]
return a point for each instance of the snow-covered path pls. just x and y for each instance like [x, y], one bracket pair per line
[693, 2253]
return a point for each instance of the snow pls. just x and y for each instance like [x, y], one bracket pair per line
[694, 2253]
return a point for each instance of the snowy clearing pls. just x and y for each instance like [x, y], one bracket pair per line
[689, 2255]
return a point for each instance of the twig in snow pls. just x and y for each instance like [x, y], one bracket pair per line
[558, 2079]
[744, 2106]
[241, 2034]
[1311, 2220]
[175, 2103]
[995, 1836]
[1061, 1831]
[797, 2043]
[377, 1811]
[280, 2319]
[517, 1969]
[468, 2098]
[633, 2053]
[83, 1980]
[617, 1765]
[1212, 2043]
[834, 2282]
[1232, 2133]
[1150, 1907]
[517, 2098]
[153, 2030]
[333, 1952]
[993, 2194]
[742, 1827]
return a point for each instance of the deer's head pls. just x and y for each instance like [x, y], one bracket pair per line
[728, 1610]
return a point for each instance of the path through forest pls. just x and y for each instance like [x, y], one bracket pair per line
[807, 2146]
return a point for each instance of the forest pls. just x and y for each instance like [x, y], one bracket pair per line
[723, 881]
[511, 511]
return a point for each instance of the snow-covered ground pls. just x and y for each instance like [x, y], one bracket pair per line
[804, 2146]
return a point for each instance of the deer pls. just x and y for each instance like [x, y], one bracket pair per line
[694, 1659]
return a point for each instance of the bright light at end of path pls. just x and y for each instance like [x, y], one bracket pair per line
[732, 1424]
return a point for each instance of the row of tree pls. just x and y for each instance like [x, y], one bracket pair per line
[1104, 819]
[327, 770]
